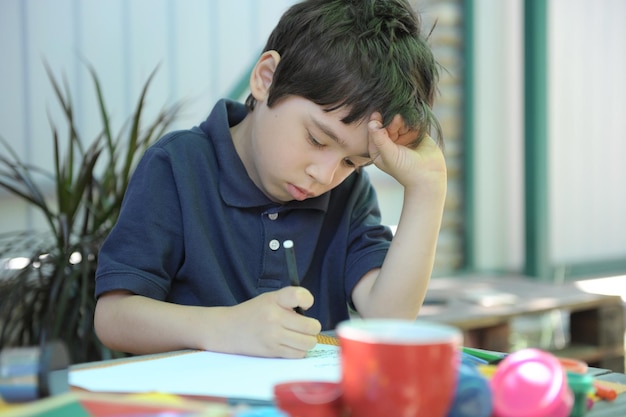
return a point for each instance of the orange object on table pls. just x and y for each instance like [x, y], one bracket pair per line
[573, 365]
[604, 392]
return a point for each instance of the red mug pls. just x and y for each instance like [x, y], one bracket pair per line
[400, 368]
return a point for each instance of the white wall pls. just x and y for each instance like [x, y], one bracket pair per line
[587, 130]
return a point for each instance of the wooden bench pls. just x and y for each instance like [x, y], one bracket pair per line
[484, 308]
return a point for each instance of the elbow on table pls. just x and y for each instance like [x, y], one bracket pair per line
[106, 319]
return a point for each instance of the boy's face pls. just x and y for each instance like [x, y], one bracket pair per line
[296, 150]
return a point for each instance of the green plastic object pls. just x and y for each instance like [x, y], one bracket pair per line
[581, 385]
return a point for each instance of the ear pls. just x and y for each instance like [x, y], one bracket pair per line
[263, 74]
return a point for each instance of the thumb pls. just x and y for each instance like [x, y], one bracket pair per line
[380, 142]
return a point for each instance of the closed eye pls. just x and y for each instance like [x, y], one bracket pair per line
[347, 162]
[351, 164]
[314, 141]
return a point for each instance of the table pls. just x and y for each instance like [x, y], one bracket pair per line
[197, 405]
[484, 307]
[615, 408]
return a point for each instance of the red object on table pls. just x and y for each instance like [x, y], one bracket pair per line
[309, 398]
[604, 392]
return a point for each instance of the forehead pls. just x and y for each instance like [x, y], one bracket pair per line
[330, 122]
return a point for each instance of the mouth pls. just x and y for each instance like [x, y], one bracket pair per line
[298, 193]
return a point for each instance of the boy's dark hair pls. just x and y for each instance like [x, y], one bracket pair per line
[367, 55]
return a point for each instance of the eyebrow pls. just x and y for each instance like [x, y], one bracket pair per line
[328, 131]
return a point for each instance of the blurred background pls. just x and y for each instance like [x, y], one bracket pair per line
[532, 103]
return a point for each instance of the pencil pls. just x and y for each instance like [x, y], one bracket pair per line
[489, 356]
[292, 269]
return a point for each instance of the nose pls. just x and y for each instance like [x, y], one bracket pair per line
[323, 172]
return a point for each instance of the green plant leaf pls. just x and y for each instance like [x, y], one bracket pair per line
[52, 295]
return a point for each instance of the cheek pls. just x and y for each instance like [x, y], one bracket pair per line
[280, 144]
[278, 153]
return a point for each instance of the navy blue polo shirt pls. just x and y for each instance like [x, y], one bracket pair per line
[195, 230]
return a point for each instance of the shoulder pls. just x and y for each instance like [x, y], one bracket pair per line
[179, 140]
[183, 147]
[211, 136]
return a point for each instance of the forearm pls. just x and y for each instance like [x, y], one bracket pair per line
[263, 326]
[399, 287]
[140, 325]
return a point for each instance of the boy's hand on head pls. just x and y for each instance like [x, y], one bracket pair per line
[397, 131]
[267, 325]
[411, 167]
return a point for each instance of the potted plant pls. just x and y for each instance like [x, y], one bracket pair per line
[51, 296]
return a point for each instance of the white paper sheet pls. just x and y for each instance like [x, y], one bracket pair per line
[210, 374]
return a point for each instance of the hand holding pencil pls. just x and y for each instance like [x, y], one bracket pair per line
[266, 326]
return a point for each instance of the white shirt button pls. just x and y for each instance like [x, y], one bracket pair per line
[273, 216]
[274, 244]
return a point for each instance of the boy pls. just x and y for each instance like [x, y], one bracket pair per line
[196, 259]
